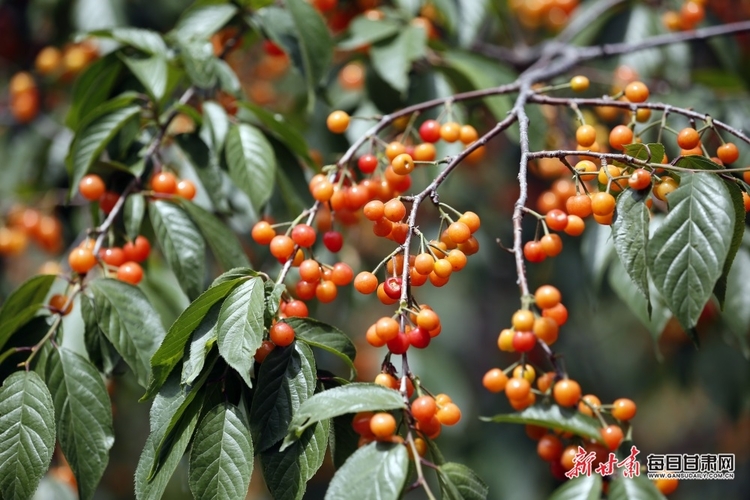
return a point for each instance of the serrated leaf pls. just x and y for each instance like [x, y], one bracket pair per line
[459, 482]
[652, 152]
[697, 162]
[363, 31]
[92, 88]
[637, 488]
[91, 139]
[221, 457]
[351, 398]
[686, 254]
[100, 350]
[133, 212]
[630, 234]
[282, 130]
[27, 433]
[392, 59]
[181, 244]
[580, 488]
[83, 415]
[198, 58]
[287, 472]
[377, 471]
[203, 21]
[127, 319]
[172, 349]
[215, 126]
[144, 40]
[472, 13]
[23, 304]
[737, 306]
[202, 341]
[318, 334]
[151, 72]
[553, 417]
[251, 162]
[285, 381]
[223, 241]
[720, 289]
[206, 166]
[240, 326]
[315, 43]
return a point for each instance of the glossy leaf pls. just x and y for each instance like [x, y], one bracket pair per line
[223, 242]
[285, 381]
[630, 234]
[133, 212]
[652, 152]
[172, 349]
[737, 306]
[377, 471]
[83, 414]
[281, 129]
[553, 417]
[315, 43]
[392, 59]
[221, 457]
[343, 439]
[182, 245]
[27, 433]
[199, 62]
[23, 304]
[203, 21]
[351, 398]
[720, 290]
[323, 336]
[363, 32]
[252, 164]
[92, 88]
[129, 322]
[687, 252]
[151, 72]
[458, 482]
[147, 41]
[287, 472]
[202, 341]
[472, 13]
[99, 349]
[637, 488]
[580, 488]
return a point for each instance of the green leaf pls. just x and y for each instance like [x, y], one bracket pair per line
[315, 43]
[377, 471]
[343, 439]
[221, 458]
[203, 340]
[215, 126]
[282, 130]
[228, 80]
[696, 162]
[637, 488]
[23, 304]
[203, 21]
[472, 13]
[172, 349]
[92, 138]
[170, 399]
[199, 62]
[630, 234]
[27, 433]
[653, 152]
[240, 326]
[287, 472]
[580, 488]
[327, 337]
[392, 59]
[92, 88]
[737, 306]
[351, 398]
[181, 244]
[151, 72]
[206, 166]
[100, 351]
[720, 290]
[553, 417]
[83, 415]
[127, 319]
[363, 31]
[687, 252]
[147, 41]
[409, 6]
[223, 242]
[252, 164]
[135, 209]
[285, 381]
[458, 482]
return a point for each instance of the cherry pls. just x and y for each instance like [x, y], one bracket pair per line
[326, 291]
[495, 380]
[567, 392]
[282, 246]
[546, 330]
[92, 187]
[382, 425]
[666, 486]
[639, 179]
[619, 136]
[394, 210]
[559, 314]
[517, 389]
[431, 428]
[547, 296]
[164, 182]
[333, 241]
[471, 220]
[281, 334]
[579, 83]
[113, 256]
[342, 274]
[468, 134]
[586, 404]
[186, 189]
[303, 235]
[728, 153]
[556, 219]
[525, 371]
[365, 282]
[450, 131]
[419, 337]
[305, 290]
[549, 448]
[524, 341]
[386, 380]
[60, 304]
[81, 260]
[586, 135]
[459, 232]
[424, 408]
[309, 270]
[263, 351]
[579, 205]
[688, 138]
[449, 414]
[575, 226]
[130, 272]
[429, 131]
[367, 163]
[636, 92]
[602, 204]
[534, 252]
[296, 308]
[387, 328]
[272, 49]
[425, 152]
[399, 344]
[108, 201]
[612, 436]
[403, 164]
[523, 319]
[623, 409]
[551, 244]
[392, 287]
[337, 122]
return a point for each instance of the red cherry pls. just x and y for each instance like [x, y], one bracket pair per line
[392, 288]
[303, 235]
[367, 163]
[399, 344]
[429, 131]
[272, 49]
[333, 241]
[524, 341]
[419, 337]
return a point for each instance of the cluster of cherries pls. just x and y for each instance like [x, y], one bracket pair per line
[550, 14]
[24, 224]
[690, 15]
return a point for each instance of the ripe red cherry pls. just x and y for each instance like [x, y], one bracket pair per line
[303, 235]
[392, 287]
[333, 241]
[272, 49]
[429, 131]
[419, 337]
[524, 341]
[367, 163]
[399, 344]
